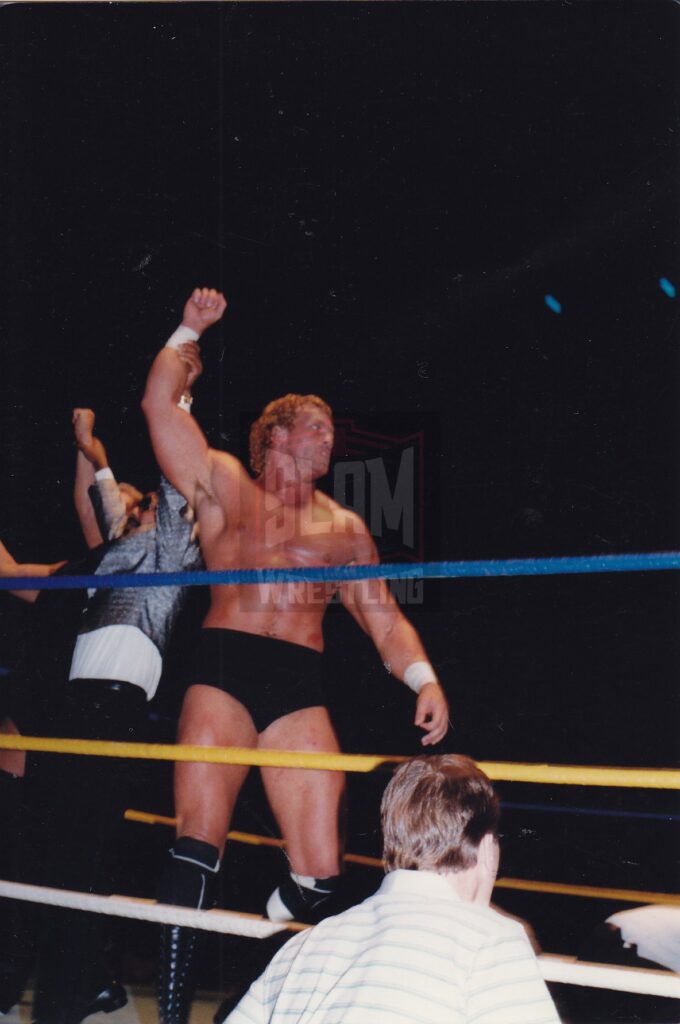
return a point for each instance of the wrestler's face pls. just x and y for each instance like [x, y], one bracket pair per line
[130, 495]
[310, 441]
[143, 512]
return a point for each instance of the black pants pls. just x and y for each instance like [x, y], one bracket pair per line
[79, 805]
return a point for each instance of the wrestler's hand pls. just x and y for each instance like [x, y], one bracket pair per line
[8, 564]
[203, 309]
[83, 426]
[190, 354]
[432, 713]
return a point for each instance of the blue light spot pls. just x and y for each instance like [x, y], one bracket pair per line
[552, 303]
[667, 287]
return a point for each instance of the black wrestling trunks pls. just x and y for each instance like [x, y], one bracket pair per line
[271, 678]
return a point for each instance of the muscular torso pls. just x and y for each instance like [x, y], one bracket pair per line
[244, 526]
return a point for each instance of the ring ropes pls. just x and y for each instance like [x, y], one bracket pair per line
[653, 561]
[508, 771]
[525, 885]
[563, 970]
[557, 969]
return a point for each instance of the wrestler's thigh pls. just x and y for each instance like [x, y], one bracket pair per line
[213, 718]
[307, 803]
[205, 794]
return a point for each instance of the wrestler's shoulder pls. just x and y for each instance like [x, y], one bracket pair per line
[344, 518]
[227, 465]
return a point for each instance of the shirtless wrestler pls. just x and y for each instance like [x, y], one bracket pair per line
[256, 678]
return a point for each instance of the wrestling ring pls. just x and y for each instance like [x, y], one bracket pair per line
[555, 968]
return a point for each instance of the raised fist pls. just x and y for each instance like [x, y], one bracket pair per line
[83, 425]
[90, 446]
[203, 309]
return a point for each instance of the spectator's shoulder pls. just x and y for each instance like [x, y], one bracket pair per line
[491, 922]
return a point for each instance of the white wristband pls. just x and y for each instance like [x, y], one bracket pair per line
[104, 474]
[418, 674]
[181, 336]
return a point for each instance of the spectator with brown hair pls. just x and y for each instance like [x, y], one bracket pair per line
[426, 948]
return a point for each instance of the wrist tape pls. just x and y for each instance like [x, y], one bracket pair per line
[181, 336]
[418, 674]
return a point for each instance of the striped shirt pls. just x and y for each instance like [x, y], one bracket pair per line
[414, 953]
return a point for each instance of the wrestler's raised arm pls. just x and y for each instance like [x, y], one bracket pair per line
[91, 460]
[178, 442]
[371, 603]
[9, 568]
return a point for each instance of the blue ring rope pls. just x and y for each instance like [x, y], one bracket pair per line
[599, 811]
[651, 562]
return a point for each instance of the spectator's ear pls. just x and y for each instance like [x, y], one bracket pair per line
[489, 851]
[487, 867]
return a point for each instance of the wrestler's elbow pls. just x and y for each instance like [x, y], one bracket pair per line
[165, 377]
[384, 635]
[152, 403]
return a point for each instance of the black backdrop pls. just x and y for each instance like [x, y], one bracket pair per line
[386, 193]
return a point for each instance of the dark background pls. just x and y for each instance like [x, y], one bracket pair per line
[386, 193]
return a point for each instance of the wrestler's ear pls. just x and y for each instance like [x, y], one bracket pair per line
[279, 436]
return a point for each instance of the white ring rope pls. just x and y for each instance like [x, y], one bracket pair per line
[565, 970]
[225, 921]
[643, 980]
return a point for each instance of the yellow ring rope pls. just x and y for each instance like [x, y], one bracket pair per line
[544, 774]
[212, 755]
[582, 775]
[522, 884]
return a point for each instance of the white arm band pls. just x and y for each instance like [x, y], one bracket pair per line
[181, 336]
[112, 507]
[418, 674]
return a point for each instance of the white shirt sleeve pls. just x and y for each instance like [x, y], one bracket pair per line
[506, 986]
[258, 1005]
[252, 1009]
[112, 505]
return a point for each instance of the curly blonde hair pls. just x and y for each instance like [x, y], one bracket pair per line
[279, 413]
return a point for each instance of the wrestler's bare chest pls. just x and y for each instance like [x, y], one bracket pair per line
[262, 532]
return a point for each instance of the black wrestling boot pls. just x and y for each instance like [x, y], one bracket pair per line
[303, 898]
[189, 880]
[175, 986]
[110, 998]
